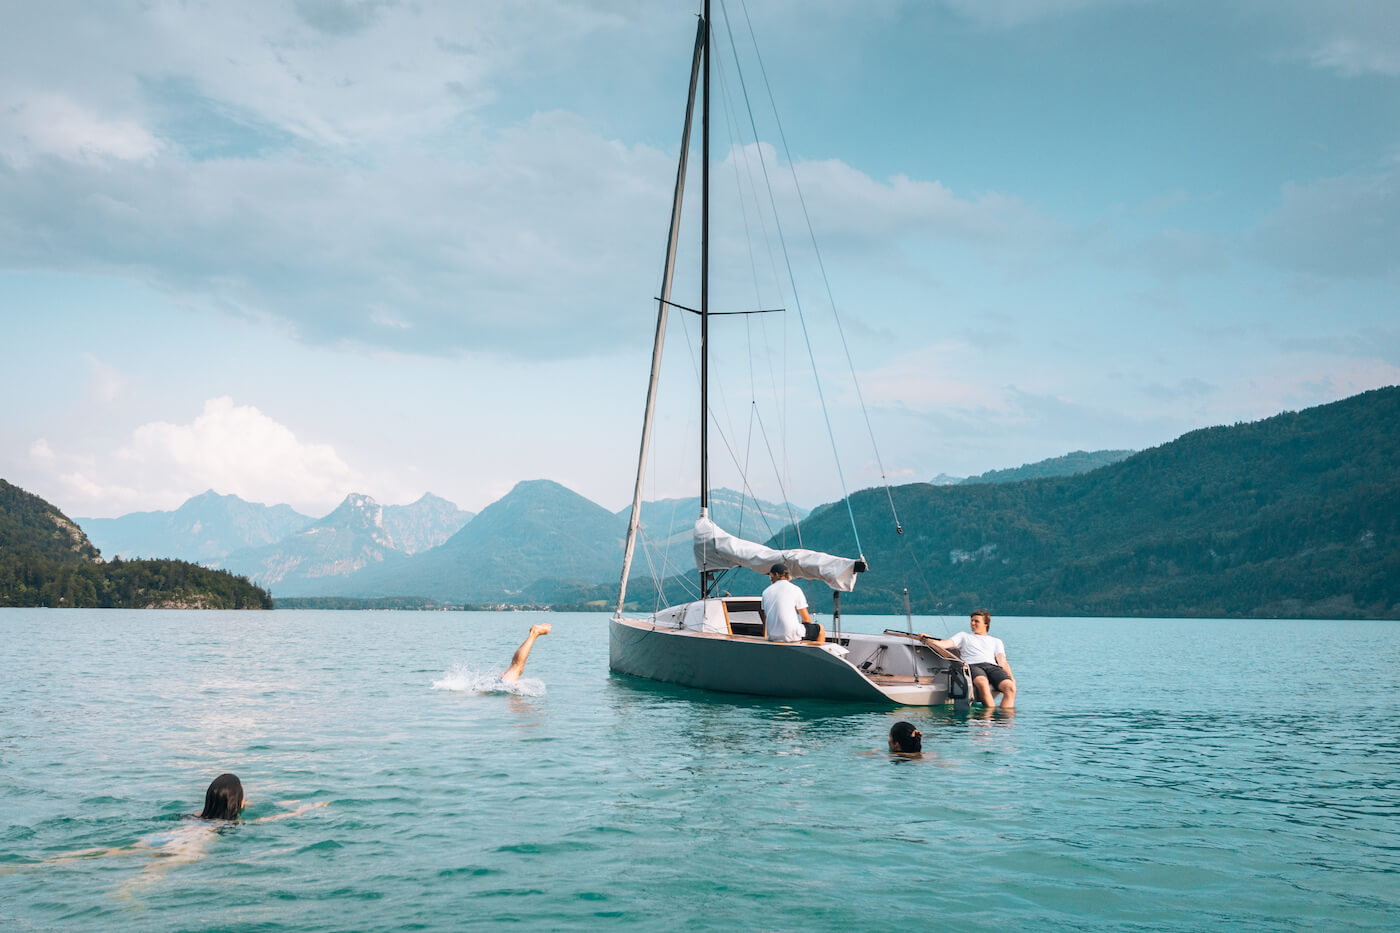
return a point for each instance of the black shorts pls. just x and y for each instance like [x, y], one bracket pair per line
[994, 673]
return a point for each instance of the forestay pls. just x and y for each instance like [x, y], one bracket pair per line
[716, 549]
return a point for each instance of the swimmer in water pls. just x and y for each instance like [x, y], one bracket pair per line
[905, 739]
[517, 661]
[224, 801]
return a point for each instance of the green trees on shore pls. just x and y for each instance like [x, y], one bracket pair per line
[46, 560]
[124, 584]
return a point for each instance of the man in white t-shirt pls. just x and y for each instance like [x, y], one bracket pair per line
[985, 657]
[785, 608]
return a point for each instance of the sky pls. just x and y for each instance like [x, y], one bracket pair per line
[293, 250]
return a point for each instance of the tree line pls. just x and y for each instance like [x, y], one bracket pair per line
[47, 561]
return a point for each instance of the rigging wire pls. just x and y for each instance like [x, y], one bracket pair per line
[787, 504]
[899, 528]
[739, 151]
[729, 123]
[797, 301]
[735, 142]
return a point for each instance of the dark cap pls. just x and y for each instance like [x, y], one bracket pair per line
[777, 568]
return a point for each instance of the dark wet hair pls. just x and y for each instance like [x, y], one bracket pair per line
[224, 798]
[906, 738]
[984, 614]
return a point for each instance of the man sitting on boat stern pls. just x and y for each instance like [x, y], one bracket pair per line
[785, 610]
[985, 656]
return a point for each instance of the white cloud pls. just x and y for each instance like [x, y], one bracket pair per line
[522, 249]
[846, 202]
[228, 448]
[45, 124]
[239, 450]
[532, 247]
[327, 166]
[328, 74]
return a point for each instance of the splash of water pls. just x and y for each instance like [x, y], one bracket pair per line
[462, 679]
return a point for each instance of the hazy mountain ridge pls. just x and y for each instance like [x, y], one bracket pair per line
[274, 544]
[423, 525]
[205, 529]
[1293, 515]
[539, 530]
[350, 538]
[1071, 464]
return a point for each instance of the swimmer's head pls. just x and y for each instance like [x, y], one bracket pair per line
[224, 798]
[905, 738]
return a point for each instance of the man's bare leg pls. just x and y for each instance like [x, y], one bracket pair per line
[517, 662]
[983, 690]
[1007, 688]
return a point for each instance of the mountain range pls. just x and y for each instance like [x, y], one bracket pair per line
[359, 533]
[537, 541]
[1296, 515]
[205, 529]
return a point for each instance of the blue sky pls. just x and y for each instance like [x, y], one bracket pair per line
[294, 250]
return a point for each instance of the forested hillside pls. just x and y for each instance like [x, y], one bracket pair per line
[1294, 516]
[46, 560]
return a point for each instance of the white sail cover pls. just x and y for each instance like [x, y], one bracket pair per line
[716, 549]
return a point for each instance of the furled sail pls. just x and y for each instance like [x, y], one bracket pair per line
[716, 549]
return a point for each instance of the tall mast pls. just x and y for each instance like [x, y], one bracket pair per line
[705, 578]
[663, 305]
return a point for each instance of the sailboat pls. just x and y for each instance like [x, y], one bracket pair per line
[719, 642]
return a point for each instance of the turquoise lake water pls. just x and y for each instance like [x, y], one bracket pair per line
[1142, 784]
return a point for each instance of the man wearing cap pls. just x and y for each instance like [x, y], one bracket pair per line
[785, 609]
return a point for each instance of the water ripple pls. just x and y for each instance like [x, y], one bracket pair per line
[1129, 797]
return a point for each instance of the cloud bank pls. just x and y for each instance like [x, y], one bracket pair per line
[228, 448]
